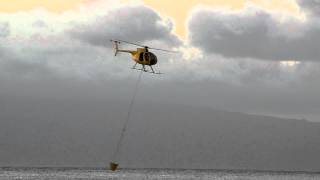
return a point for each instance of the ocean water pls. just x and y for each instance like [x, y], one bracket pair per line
[152, 174]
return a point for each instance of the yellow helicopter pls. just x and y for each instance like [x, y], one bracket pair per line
[141, 56]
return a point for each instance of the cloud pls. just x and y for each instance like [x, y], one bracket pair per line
[254, 33]
[43, 53]
[65, 45]
[78, 49]
[4, 29]
[131, 23]
[311, 7]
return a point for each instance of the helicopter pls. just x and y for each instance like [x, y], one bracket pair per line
[141, 56]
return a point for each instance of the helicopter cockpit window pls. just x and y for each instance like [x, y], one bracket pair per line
[153, 57]
[141, 57]
[146, 57]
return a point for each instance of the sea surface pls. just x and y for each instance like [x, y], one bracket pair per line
[152, 174]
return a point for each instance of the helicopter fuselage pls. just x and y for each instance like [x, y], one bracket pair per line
[142, 56]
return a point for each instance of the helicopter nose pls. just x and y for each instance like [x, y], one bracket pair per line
[153, 61]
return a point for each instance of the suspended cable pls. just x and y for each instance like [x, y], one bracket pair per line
[113, 165]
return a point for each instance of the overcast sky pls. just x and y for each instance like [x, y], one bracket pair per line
[64, 96]
[257, 58]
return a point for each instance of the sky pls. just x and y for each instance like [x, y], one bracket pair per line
[260, 55]
[165, 7]
[61, 86]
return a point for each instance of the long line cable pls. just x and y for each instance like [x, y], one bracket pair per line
[124, 127]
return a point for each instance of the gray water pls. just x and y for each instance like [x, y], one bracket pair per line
[72, 174]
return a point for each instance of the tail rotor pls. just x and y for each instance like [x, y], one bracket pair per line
[115, 47]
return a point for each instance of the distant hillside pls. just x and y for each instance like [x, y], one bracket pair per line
[50, 132]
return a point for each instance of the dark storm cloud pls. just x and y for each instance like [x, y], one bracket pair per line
[134, 23]
[255, 33]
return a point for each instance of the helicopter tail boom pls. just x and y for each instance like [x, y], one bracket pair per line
[117, 50]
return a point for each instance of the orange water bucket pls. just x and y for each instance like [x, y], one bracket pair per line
[113, 166]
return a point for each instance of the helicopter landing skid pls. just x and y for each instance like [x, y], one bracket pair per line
[146, 71]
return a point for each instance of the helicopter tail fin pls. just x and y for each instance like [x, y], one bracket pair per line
[115, 47]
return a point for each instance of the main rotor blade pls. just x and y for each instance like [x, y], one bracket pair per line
[129, 43]
[147, 47]
[164, 50]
